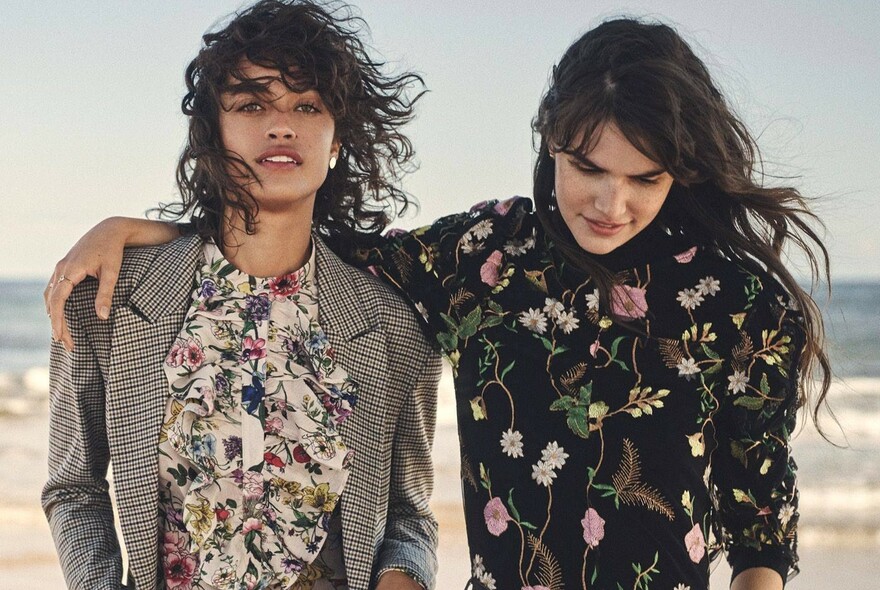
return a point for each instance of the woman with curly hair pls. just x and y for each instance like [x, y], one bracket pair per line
[273, 405]
[629, 348]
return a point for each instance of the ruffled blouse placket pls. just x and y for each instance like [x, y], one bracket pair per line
[253, 372]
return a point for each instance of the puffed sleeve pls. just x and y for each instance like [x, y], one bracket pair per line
[753, 473]
[446, 267]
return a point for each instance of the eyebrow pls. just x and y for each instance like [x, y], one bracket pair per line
[646, 174]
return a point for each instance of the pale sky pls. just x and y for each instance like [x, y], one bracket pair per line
[90, 124]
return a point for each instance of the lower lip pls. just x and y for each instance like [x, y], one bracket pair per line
[279, 165]
[604, 230]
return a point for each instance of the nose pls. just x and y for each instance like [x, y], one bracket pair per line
[280, 127]
[611, 200]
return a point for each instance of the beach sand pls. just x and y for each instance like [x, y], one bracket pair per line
[841, 559]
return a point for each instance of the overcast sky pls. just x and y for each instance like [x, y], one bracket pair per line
[90, 123]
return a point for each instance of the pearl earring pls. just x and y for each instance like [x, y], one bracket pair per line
[332, 162]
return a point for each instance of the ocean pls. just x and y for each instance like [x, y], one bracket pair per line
[840, 485]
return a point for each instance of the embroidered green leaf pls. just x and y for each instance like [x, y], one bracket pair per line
[453, 327]
[749, 403]
[513, 511]
[764, 386]
[447, 341]
[507, 369]
[492, 321]
[470, 323]
[709, 352]
[565, 403]
[577, 421]
[615, 345]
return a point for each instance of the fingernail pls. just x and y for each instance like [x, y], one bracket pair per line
[104, 313]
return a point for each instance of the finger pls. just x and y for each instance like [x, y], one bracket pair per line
[57, 298]
[106, 285]
[47, 292]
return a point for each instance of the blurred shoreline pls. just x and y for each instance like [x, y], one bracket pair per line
[839, 532]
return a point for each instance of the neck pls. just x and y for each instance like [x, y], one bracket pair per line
[280, 243]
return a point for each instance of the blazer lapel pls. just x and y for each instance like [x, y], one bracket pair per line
[361, 350]
[137, 391]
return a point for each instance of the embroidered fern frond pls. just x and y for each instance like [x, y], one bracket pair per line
[549, 572]
[671, 352]
[742, 351]
[461, 296]
[571, 377]
[633, 492]
[403, 262]
[467, 474]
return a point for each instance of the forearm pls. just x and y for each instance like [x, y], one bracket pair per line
[757, 578]
[411, 530]
[130, 231]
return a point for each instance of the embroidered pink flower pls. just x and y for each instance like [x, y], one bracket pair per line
[286, 285]
[628, 302]
[252, 524]
[594, 348]
[594, 527]
[695, 543]
[501, 207]
[273, 425]
[253, 349]
[173, 541]
[194, 355]
[176, 354]
[686, 256]
[252, 484]
[496, 516]
[490, 269]
[179, 569]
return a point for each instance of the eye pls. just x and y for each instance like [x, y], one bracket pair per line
[250, 107]
[308, 107]
[648, 180]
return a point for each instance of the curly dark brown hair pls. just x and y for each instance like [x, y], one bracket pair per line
[644, 78]
[314, 46]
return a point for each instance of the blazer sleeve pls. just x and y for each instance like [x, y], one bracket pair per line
[75, 498]
[753, 473]
[410, 543]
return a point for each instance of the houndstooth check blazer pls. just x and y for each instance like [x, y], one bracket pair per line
[108, 401]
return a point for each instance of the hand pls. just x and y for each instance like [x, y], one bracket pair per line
[397, 580]
[98, 254]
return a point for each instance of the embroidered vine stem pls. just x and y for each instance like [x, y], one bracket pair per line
[497, 380]
[543, 530]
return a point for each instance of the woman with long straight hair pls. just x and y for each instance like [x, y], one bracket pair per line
[630, 351]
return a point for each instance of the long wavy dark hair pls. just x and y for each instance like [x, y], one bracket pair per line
[314, 46]
[644, 78]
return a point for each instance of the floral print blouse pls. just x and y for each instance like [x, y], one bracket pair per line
[617, 446]
[251, 464]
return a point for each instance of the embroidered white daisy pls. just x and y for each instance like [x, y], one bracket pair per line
[593, 300]
[689, 298]
[687, 367]
[487, 580]
[785, 514]
[529, 243]
[466, 245]
[422, 310]
[479, 569]
[709, 286]
[554, 455]
[682, 587]
[567, 321]
[543, 473]
[534, 320]
[482, 230]
[552, 307]
[514, 248]
[511, 443]
[738, 382]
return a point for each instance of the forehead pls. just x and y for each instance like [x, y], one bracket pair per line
[609, 148]
[248, 76]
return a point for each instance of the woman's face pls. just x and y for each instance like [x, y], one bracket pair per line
[286, 137]
[610, 194]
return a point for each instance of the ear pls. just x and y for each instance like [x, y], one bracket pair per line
[334, 148]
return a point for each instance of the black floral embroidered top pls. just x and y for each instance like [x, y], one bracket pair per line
[600, 453]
